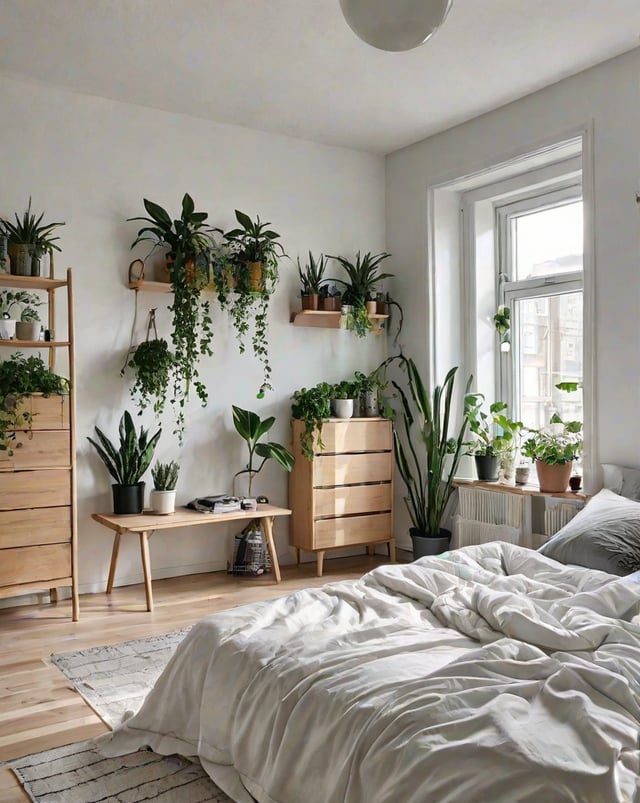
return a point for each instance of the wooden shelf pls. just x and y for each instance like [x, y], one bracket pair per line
[330, 320]
[150, 287]
[30, 282]
[35, 344]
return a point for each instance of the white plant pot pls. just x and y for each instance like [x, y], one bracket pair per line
[163, 502]
[28, 330]
[7, 329]
[342, 408]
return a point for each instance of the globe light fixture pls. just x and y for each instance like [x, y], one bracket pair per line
[395, 25]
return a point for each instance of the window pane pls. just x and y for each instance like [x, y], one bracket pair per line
[548, 242]
[549, 350]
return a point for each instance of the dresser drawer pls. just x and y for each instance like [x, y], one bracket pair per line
[45, 525]
[352, 530]
[357, 436]
[48, 448]
[27, 489]
[344, 501]
[34, 564]
[352, 469]
[48, 412]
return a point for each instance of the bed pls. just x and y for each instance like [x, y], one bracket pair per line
[490, 673]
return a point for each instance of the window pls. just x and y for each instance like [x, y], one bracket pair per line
[540, 279]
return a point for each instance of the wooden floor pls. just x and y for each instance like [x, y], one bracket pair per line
[40, 710]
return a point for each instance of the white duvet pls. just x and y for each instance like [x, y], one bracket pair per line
[488, 674]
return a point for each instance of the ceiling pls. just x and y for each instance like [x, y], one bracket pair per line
[294, 67]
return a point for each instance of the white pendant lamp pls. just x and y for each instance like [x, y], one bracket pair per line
[395, 25]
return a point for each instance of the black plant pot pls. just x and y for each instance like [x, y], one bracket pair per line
[128, 498]
[425, 545]
[487, 468]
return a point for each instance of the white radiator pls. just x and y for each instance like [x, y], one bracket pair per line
[557, 516]
[489, 516]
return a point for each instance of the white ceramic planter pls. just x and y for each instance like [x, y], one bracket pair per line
[342, 408]
[7, 328]
[163, 502]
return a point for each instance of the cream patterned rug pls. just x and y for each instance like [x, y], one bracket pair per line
[113, 680]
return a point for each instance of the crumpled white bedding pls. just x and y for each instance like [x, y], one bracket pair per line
[488, 674]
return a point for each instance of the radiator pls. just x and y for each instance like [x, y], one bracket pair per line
[489, 516]
[557, 516]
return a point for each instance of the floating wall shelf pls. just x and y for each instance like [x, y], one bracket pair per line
[150, 287]
[331, 320]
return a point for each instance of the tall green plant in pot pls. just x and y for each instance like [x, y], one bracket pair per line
[252, 428]
[189, 241]
[422, 441]
[127, 462]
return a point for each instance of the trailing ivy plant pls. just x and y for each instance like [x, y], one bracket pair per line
[189, 241]
[19, 377]
[152, 362]
[313, 406]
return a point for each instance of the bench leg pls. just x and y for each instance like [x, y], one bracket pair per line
[268, 534]
[114, 562]
[146, 568]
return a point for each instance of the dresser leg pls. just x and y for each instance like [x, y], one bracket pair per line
[53, 595]
[392, 550]
[297, 556]
[320, 562]
[371, 550]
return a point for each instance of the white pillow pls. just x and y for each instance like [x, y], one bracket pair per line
[604, 535]
[622, 480]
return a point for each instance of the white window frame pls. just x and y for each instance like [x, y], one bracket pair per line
[510, 290]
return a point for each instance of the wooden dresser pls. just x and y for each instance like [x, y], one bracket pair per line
[344, 496]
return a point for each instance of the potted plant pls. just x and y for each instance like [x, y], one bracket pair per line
[311, 277]
[343, 396]
[495, 436]
[152, 361]
[188, 241]
[553, 450]
[313, 406]
[367, 387]
[363, 278]
[127, 462]
[422, 443]
[330, 299]
[502, 323]
[29, 239]
[252, 428]
[28, 327]
[21, 377]
[163, 496]
[254, 252]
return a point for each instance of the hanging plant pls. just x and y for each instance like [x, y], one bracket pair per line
[189, 241]
[502, 323]
[252, 254]
[152, 362]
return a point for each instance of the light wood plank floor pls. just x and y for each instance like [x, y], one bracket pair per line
[40, 710]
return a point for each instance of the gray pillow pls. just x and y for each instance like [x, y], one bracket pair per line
[604, 535]
[623, 480]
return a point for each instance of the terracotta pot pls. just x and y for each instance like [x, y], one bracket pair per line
[382, 307]
[553, 478]
[310, 302]
[371, 307]
[330, 303]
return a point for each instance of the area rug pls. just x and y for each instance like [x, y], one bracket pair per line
[113, 680]
[116, 679]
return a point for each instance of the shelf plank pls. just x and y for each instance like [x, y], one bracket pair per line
[30, 282]
[529, 489]
[327, 319]
[150, 287]
[35, 344]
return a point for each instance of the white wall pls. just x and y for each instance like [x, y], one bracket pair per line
[89, 162]
[608, 98]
